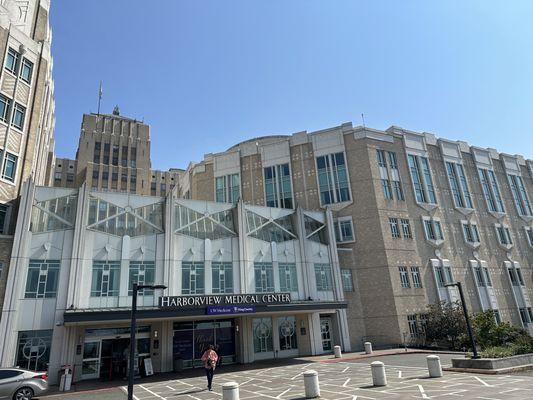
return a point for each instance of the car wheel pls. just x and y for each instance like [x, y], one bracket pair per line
[24, 393]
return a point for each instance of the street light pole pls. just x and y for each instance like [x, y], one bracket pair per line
[465, 312]
[133, 329]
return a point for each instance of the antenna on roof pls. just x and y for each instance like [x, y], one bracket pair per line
[100, 93]
[363, 118]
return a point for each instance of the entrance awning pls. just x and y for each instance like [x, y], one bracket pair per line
[124, 314]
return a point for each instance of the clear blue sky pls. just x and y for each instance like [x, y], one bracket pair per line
[208, 74]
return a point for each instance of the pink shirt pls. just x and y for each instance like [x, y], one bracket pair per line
[212, 355]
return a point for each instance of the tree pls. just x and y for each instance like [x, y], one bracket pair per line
[446, 326]
[489, 333]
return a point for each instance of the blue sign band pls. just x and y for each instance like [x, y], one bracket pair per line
[241, 309]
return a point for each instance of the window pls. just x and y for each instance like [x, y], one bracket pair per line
[9, 373]
[529, 235]
[133, 157]
[433, 229]
[404, 277]
[491, 192]
[422, 181]
[262, 334]
[497, 316]
[114, 160]
[12, 60]
[70, 177]
[459, 185]
[512, 277]
[105, 175]
[519, 276]
[395, 231]
[19, 113]
[504, 235]
[142, 273]
[227, 188]
[57, 176]
[4, 223]
[105, 279]
[406, 228]
[415, 275]
[390, 176]
[124, 158]
[264, 277]
[192, 281]
[10, 167]
[222, 277]
[344, 230]
[482, 275]
[524, 316]
[520, 197]
[443, 275]
[4, 107]
[26, 70]
[470, 232]
[1, 269]
[96, 155]
[288, 278]
[515, 275]
[413, 325]
[332, 179]
[287, 333]
[323, 277]
[347, 280]
[278, 189]
[33, 349]
[42, 280]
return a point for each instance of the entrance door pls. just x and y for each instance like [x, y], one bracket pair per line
[90, 366]
[325, 332]
[114, 358]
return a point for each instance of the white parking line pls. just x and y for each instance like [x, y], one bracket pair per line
[345, 369]
[152, 393]
[483, 382]
[422, 392]
[345, 383]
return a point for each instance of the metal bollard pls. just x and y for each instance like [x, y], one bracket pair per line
[337, 351]
[434, 367]
[368, 348]
[312, 388]
[379, 378]
[230, 391]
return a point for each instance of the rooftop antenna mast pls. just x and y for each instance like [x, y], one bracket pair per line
[100, 93]
[363, 118]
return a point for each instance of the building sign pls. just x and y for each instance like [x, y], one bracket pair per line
[220, 310]
[224, 300]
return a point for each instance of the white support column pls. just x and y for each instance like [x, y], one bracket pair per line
[315, 335]
[208, 266]
[124, 300]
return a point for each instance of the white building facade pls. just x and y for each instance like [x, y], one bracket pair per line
[259, 282]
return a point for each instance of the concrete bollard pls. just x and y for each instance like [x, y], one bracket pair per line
[230, 391]
[337, 351]
[434, 367]
[368, 348]
[312, 388]
[379, 378]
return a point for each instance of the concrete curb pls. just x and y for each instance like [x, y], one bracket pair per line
[491, 371]
[363, 356]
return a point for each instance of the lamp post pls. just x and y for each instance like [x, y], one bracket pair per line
[133, 330]
[465, 311]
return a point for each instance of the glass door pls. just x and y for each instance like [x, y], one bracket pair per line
[325, 332]
[91, 360]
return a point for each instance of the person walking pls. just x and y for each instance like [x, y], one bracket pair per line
[210, 358]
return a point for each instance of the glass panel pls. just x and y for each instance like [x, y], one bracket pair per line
[287, 333]
[262, 333]
[33, 349]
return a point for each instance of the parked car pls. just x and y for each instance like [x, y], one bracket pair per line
[21, 384]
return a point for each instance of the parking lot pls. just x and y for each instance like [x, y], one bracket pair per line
[406, 374]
